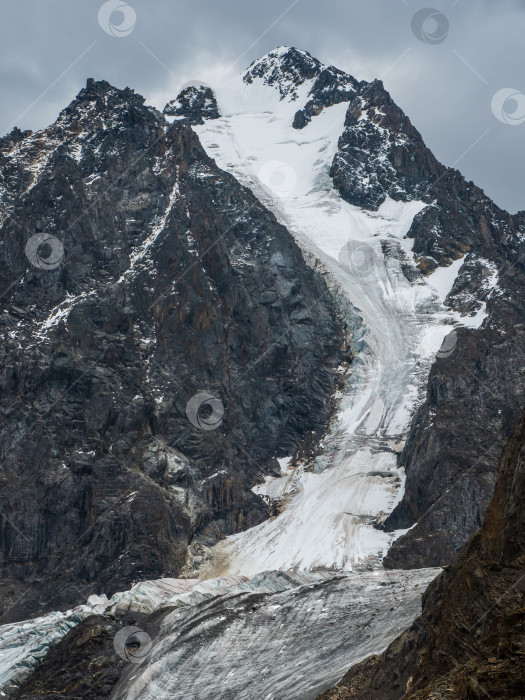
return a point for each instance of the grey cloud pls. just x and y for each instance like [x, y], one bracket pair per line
[446, 88]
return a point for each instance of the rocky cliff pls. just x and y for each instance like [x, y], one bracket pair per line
[469, 642]
[194, 104]
[476, 391]
[477, 387]
[164, 342]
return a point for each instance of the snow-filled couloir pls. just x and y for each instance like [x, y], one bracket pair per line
[305, 586]
[396, 316]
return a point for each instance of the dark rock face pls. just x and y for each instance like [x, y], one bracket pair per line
[287, 68]
[381, 154]
[155, 277]
[474, 395]
[194, 104]
[331, 87]
[472, 401]
[469, 642]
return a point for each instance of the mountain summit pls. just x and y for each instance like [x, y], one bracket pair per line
[286, 68]
[260, 351]
[140, 279]
[298, 132]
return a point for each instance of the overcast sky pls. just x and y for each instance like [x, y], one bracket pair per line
[445, 78]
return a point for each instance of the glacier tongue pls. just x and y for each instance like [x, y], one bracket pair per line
[329, 511]
[23, 645]
[282, 635]
[277, 635]
[294, 630]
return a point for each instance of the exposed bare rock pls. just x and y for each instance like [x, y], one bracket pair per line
[170, 281]
[194, 104]
[469, 642]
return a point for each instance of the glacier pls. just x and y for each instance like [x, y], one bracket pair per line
[281, 610]
[398, 326]
[277, 635]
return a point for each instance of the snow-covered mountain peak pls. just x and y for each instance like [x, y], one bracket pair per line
[287, 81]
[341, 165]
[195, 103]
[101, 99]
[285, 68]
[298, 76]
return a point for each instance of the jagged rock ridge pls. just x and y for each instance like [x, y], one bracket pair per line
[194, 104]
[476, 392]
[175, 281]
[286, 68]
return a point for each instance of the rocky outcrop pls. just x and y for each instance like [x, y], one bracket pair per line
[194, 104]
[146, 298]
[286, 68]
[89, 654]
[469, 642]
[331, 87]
[475, 393]
[382, 154]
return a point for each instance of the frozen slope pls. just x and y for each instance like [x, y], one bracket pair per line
[290, 634]
[204, 633]
[329, 508]
[290, 644]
